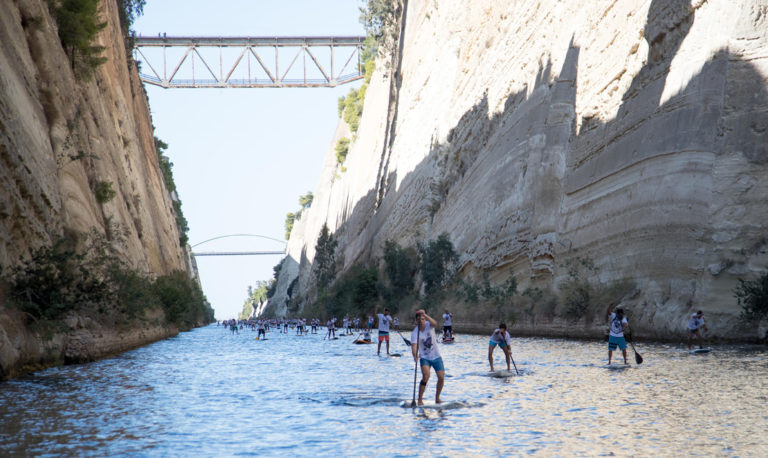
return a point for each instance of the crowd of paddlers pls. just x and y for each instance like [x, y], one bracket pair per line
[424, 340]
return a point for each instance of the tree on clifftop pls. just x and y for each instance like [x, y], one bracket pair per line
[78, 22]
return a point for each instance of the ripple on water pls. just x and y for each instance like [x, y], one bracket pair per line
[209, 392]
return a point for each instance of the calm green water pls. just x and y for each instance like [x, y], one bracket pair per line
[211, 393]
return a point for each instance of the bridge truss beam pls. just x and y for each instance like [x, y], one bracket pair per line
[251, 62]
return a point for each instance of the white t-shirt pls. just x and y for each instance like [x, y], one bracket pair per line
[498, 337]
[427, 342]
[447, 319]
[695, 322]
[384, 321]
[617, 329]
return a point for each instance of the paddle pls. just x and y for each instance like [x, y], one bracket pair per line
[407, 342]
[638, 358]
[513, 363]
[416, 365]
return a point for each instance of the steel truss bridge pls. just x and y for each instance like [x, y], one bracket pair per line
[248, 62]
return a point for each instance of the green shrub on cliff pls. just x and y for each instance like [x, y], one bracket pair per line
[342, 148]
[128, 11]
[182, 300]
[353, 294]
[752, 296]
[351, 105]
[95, 282]
[380, 19]
[79, 24]
[290, 218]
[166, 168]
[104, 192]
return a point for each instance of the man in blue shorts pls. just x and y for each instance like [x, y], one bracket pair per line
[501, 338]
[618, 324]
[424, 344]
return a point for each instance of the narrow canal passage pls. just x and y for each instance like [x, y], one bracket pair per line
[209, 392]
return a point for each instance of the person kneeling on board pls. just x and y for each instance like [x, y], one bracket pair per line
[425, 344]
[501, 338]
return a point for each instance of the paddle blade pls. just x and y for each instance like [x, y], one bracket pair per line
[638, 358]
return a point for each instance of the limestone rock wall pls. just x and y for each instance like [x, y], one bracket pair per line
[61, 134]
[627, 137]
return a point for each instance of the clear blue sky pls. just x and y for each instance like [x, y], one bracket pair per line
[242, 157]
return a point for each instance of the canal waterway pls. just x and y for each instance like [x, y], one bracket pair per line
[209, 392]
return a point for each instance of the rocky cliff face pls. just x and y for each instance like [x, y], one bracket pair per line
[60, 135]
[621, 143]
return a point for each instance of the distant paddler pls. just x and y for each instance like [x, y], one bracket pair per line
[385, 319]
[500, 337]
[262, 328]
[694, 325]
[618, 324]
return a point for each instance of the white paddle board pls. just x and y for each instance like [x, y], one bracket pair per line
[617, 366]
[445, 405]
[503, 374]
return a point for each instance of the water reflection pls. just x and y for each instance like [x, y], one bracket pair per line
[208, 392]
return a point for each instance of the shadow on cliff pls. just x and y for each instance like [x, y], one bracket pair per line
[712, 115]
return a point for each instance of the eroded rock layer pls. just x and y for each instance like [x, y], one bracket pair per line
[61, 134]
[625, 139]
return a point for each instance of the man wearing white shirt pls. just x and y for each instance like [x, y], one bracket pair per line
[384, 320]
[426, 353]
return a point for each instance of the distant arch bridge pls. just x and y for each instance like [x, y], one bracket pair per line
[238, 253]
[248, 62]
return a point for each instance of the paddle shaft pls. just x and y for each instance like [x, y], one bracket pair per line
[416, 363]
[407, 342]
[513, 362]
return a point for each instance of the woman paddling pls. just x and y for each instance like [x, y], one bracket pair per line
[425, 344]
[501, 338]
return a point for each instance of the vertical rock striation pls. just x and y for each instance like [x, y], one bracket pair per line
[60, 135]
[629, 137]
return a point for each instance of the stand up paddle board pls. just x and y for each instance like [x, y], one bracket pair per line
[617, 366]
[696, 351]
[503, 374]
[445, 405]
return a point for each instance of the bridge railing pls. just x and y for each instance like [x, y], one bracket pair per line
[225, 62]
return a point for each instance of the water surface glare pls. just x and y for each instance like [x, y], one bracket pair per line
[209, 392]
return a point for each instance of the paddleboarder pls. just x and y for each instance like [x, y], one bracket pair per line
[424, 344]
[501, 338]
[618, 324]
[384, 321]
[262, 330]
[694, 325]
[447, 325]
